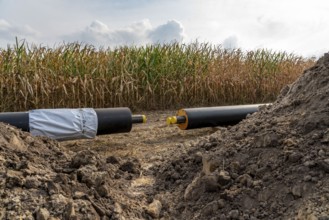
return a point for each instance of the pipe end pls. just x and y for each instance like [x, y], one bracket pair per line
[171, 120]
[144, 118]
[168, 121]
[138, 119]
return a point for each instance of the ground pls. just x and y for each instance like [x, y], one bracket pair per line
[272, 165]
[148, 146]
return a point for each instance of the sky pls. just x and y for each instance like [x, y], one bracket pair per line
[294, 26]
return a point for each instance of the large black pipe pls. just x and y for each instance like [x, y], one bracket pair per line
[113, 120]
[17, 119]
[109, 120]
[191, 118]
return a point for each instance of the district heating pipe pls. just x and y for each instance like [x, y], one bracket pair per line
[69, 124]
[191, 118]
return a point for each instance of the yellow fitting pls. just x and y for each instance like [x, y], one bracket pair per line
[173, 120]
[168, 121]
[144, 118]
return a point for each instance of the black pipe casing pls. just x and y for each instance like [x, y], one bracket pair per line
[215, 116]
[110, 120]
[136, 119]
[113, 120]
[180, 119]
[17, 119]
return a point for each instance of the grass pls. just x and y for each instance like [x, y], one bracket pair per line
[143, 78]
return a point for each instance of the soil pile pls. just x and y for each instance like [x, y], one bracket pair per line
[273, 165]
[39, 179]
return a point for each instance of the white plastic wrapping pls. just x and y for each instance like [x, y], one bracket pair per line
[63, 124]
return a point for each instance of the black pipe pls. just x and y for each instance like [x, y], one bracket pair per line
[113, 120]
[17, 119]
[180, 119]
[192, 118]
[138, 119]
[109, 120]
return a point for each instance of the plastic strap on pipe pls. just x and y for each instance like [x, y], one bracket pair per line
[64, 124]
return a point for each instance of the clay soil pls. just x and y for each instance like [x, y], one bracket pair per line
[272, 165]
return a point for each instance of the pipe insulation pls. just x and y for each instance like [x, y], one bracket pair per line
[69, 124]
[191, 118]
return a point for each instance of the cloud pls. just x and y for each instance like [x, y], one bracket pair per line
[138, 33]
[165, 33]
[256, 23]
[271, 28]
[230, 43]
[9, 32]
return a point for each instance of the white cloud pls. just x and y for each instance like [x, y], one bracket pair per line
[138, 33]
[97, 26]
[165, 33]
[8, 32]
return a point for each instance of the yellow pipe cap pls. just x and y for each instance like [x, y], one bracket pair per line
[144, 118]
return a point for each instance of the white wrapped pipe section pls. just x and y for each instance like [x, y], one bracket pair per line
[63, 124]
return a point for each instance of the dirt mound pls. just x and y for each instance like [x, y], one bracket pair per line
[273, 165]
[39, 179]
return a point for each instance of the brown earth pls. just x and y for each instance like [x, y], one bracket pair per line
[273, 165]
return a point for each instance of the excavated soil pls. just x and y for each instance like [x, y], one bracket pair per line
[272, 165]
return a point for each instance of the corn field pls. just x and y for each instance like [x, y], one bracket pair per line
[149, 77]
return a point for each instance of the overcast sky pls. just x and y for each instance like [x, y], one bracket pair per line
[296, 26]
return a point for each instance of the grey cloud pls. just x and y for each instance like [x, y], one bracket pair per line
[8, 31]
[139, 33]
[134, 34]
[231, 42]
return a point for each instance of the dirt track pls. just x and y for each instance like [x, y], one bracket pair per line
[152, 139]
[144, 150]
